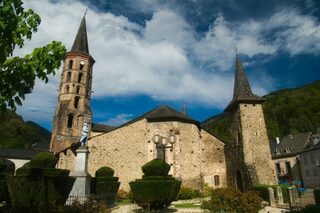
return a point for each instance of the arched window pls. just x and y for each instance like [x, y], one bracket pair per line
[70, 120]
[68, 76]
[80, 77]
[216, 180]
[78, 89]
[76, 102]
[81, 65]
[70, 64]
[66, 89]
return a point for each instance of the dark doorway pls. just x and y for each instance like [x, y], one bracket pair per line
[239, 180]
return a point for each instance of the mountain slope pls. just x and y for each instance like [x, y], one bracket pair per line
[15, 133]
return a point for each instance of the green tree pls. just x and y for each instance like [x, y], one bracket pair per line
[18, 74]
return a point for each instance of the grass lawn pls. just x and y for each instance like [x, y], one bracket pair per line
[187, 205]
[124, 202]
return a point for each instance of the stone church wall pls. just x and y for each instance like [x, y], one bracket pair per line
[195, 158]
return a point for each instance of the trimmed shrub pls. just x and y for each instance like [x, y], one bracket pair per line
[38, 186]
[186, 193]
[105, 172]
[2, 165]
[4, 194]
[156, 190]
[232, 200]
[44, 160]
[316, 193]
[105, 185]
[156, 167]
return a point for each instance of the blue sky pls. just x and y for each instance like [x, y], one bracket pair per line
[153, 52]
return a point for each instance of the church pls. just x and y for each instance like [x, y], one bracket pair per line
[197, 156]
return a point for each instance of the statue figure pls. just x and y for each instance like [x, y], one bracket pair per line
[84, 134]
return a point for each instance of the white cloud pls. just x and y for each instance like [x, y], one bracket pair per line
[165, 59]
[118, 120]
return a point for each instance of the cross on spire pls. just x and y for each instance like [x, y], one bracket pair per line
[85, 12]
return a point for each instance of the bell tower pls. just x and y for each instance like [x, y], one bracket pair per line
[73, 106]
[248, 155]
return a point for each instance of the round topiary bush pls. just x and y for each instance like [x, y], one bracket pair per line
[44, 160]
[156, 167]
[156, 190]
[105, 171]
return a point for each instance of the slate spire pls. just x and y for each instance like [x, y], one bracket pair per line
[80, 44]
[242, 92]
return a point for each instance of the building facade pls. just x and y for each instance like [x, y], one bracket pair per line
[198, 157]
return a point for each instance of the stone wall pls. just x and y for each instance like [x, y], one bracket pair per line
[195, 158]
[257, 155]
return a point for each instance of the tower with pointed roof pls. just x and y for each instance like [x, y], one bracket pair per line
[248, 155]
[73, 106]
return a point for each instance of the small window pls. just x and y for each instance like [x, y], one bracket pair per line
[315, 172]
[66, 89]
[70, 64]
[288, 166]
[278, 168]
[313, 160]
[278, 151]
[216, 180]
[80, 77]
[78, 89]
[70, 120]
[76, 102]
[68, 76]
[288, 150]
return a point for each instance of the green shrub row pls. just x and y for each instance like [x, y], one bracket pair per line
[49, 172]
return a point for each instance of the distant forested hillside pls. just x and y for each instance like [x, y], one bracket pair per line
[292, 111]
[15, 133]
[286, 112]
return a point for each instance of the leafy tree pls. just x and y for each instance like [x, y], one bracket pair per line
[18, 74]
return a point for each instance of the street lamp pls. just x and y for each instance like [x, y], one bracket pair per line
[163, 142]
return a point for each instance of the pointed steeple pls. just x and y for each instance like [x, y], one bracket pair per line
[80, 44]
[242, 92]
[184, 109]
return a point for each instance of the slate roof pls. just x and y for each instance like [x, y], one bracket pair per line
[161, 114]
[80, 43]
[18, 153]
[296, 144]
[242, 92]
[101, 127]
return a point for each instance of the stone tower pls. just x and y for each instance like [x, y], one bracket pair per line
[248, 155]
[73, 107]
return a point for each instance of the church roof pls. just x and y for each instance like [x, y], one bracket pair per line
[101, 127]
[242, 91]
[164, 113]
[161, 114]
[80, 44]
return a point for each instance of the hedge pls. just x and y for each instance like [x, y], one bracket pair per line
[263, 191]
[316, 193]
[186, 193]
[4, 194]
[31, 193]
